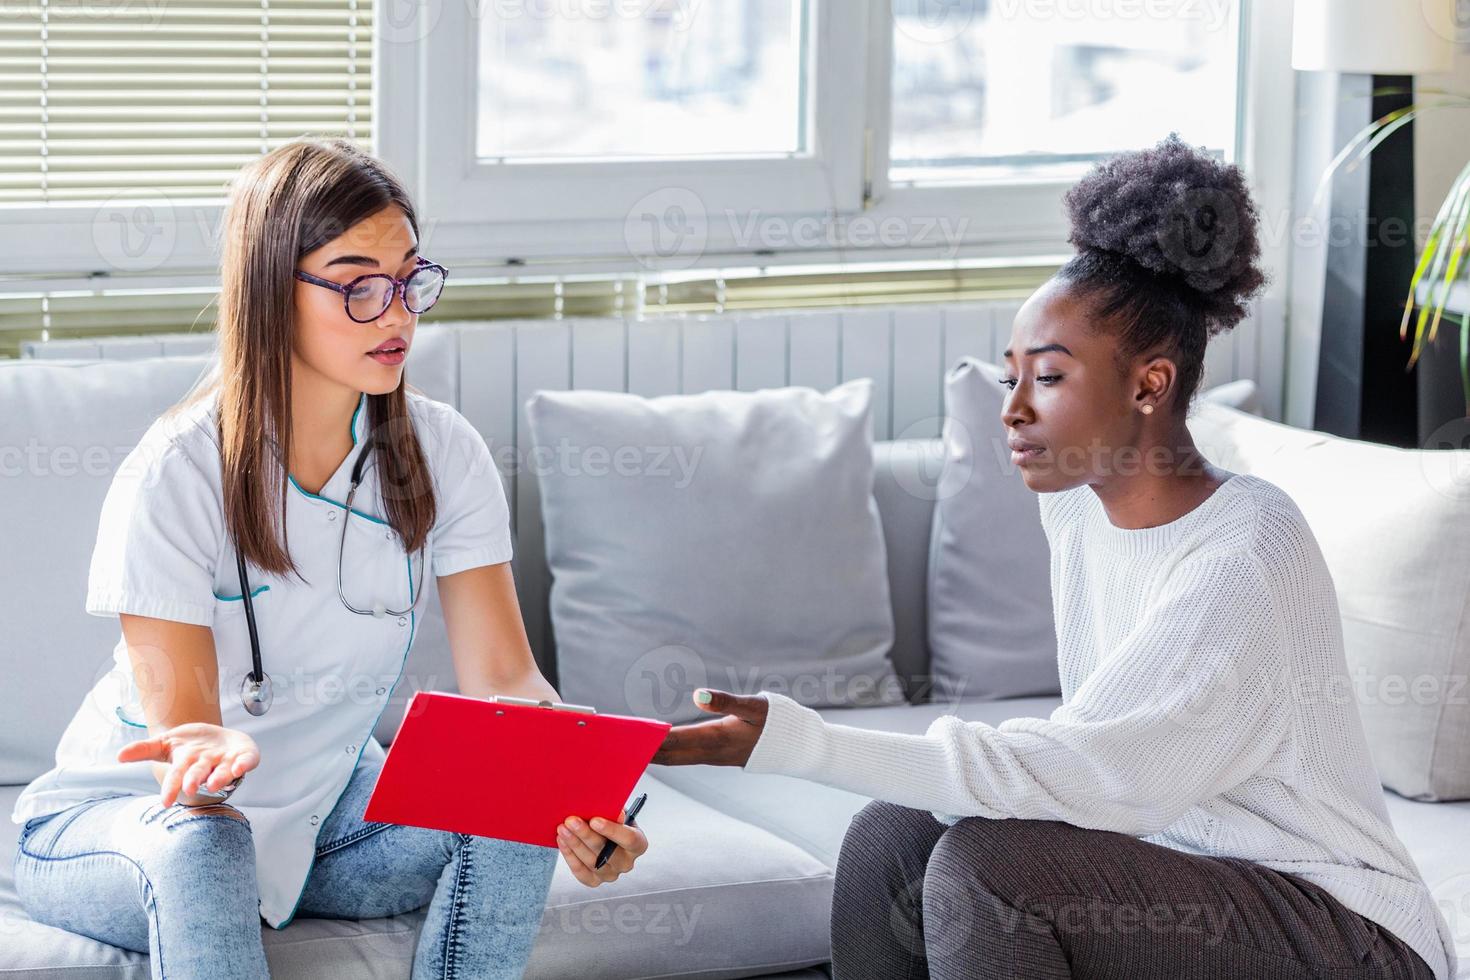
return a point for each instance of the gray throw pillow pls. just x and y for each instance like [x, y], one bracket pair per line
[726, 539]
[990, 616]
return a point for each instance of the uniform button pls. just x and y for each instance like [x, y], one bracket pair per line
[382, 690]
[387, 535]
[331, 515]
[351, 749]
[402, 621]
[313, 819]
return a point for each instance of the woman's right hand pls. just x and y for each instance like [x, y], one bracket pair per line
[197, 754]
[726, 741]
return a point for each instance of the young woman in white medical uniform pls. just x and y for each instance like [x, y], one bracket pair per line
[122, 840]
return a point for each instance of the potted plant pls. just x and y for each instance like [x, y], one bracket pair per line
[1436, 292]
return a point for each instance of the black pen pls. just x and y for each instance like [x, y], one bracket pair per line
[610, 846]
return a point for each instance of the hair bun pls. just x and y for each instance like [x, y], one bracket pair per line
[1179, 213]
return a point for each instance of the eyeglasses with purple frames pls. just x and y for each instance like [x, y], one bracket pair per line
[393, 286]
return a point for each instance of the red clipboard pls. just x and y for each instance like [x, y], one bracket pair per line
[508, 771]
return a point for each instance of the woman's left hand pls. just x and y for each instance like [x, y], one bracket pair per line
[580, 844]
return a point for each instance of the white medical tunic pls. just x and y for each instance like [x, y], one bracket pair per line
[162, 551]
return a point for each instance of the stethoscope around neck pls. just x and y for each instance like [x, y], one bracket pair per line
[255, 690]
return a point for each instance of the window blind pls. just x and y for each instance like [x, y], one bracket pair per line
[118, 312]
[100, 98]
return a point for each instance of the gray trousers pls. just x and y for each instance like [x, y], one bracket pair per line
[1046, 900]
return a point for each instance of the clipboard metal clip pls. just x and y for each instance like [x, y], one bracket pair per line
[585, 709]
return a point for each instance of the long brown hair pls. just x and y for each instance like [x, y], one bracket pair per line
[282, 206]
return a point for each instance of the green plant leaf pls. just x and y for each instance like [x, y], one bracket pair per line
[1456, 241]
[1398, 118]
[1460, 193]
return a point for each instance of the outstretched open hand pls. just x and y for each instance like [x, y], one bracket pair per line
[726, 741]
[199, 755]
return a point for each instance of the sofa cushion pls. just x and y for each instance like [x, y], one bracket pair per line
[66, 427]
[712, 897]
[727, 539]
[686, 910]
[1394, 526]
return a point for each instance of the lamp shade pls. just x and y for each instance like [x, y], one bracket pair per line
[1374, 37]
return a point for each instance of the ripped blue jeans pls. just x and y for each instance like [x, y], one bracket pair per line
[179, 884]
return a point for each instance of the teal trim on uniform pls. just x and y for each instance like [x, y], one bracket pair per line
[236, 598]
[125, 721]
[412, 629]
[352, 426]
[334, 503]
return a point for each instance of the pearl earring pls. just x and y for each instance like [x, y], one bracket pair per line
[1147, 410]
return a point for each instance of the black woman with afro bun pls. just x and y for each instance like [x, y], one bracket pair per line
[1202, 804]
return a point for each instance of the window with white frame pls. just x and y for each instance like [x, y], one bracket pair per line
[609, 134]
[1007, 89]
[675, 132]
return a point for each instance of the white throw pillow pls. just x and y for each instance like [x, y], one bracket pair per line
[727, 539]
[1394, 526]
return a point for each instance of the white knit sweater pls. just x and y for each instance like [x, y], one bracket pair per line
[1205, 707]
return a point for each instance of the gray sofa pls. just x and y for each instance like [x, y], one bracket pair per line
[738, 879]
